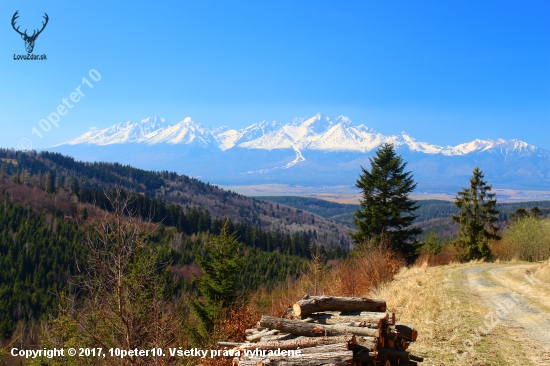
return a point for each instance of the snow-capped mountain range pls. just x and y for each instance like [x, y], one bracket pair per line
[314, 147]
[315, 133]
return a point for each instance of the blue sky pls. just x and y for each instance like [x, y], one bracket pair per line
[445, 72]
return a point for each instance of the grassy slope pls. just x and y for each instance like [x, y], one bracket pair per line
[438, 303]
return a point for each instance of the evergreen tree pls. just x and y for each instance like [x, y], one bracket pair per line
[50, 182]
[477, 218]
[59, 182]
[3, 172]
[73, 209]
[522, 213]
[220, 266]
[432, 244]
[386, 212]
[84, 213]
[519, 214]
[75, 187]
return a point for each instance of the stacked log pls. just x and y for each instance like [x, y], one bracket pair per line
[326, 330]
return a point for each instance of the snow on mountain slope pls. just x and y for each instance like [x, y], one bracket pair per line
[300, 134]
[319, 133]
[303, 130]
[405, 140]
[122, 132]
[185, 132]
[502, 146]
[278, 139]
[343, 136]
[228, 138]
[294, 135]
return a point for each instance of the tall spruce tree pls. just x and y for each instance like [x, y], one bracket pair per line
[3, 172]
[50, 182]
[477, 218]
[386, 212]
[220, 264]
[75, 187]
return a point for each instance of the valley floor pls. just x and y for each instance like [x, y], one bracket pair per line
[475, 313]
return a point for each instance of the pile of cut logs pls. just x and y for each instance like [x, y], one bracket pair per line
[325, 330]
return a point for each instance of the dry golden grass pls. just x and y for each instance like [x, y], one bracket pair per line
[418, 295]
[437, 300]
[543, 272]
[446, 314]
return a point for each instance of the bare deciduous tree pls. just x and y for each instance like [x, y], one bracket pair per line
[125, 298]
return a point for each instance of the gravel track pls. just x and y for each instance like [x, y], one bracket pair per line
[527, 314]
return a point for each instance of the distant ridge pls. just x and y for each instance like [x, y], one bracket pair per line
[315, 133]
[309, 151]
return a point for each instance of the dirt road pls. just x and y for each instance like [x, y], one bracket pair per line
[475, 314]
[516, 301]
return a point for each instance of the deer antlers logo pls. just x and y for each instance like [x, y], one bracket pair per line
[29, 40]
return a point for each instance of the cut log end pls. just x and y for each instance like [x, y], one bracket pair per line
[296, 309]
[323, 326]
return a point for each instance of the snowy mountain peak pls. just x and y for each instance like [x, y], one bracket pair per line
[345, 121]
[121, 133]
[185, 132]
[307, 133]
[299, 121]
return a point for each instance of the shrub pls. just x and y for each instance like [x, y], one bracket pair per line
[525, 239]
[367, 267]
[446, 255]
[231, 327]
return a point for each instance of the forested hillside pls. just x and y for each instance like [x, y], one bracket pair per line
[50, 205]
[52, 208]
[432, 215]
[38, 257]
[51, 171]
[42, 242]
[331, 210]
